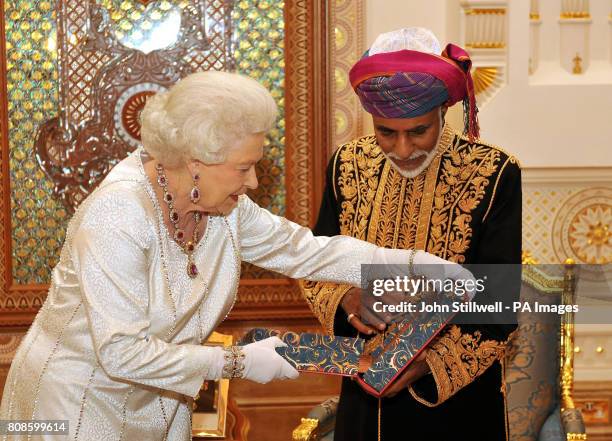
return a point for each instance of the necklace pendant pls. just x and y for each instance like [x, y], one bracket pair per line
[179, 234]
[192, 269]
[194, 195]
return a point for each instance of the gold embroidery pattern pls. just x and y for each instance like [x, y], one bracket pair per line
[456, 359]
[382, 207]
[390, 208]
[360, 163]
[431, 180]
[513, 159]
[396, 209]
[359, 167]
[375, 217]
[347, 182]
[323, 299]
[464, 177]
[510, 160]
[409, 220]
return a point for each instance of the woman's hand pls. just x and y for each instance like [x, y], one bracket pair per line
[435, 268]
[391, 263]
[263, 364]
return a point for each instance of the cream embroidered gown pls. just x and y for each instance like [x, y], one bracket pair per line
[116, 347]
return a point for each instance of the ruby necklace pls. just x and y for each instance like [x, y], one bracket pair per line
[188, 246]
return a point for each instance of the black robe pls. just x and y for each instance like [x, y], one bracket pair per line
[465, 207]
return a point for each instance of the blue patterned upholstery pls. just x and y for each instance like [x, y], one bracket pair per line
[532, 369]
[552, 430]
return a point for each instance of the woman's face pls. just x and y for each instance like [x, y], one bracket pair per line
[221, 184]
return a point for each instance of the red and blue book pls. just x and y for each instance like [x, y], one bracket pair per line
[376, 368]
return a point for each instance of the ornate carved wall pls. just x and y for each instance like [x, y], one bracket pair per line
[60, 76]
[346, 47]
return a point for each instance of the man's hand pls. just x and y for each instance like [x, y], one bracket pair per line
[416, 370]
[362, 313]
[351, 303]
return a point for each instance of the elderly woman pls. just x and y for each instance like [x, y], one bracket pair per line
[151, 266]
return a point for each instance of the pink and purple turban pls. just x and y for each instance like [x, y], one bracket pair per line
[407, 83]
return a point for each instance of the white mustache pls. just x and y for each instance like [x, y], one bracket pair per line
[414, 155]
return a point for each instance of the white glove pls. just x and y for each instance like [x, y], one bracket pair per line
[434, 267]
[263, 364]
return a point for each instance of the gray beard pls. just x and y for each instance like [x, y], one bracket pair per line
[429, 156]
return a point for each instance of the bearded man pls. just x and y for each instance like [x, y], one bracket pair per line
[418, 184]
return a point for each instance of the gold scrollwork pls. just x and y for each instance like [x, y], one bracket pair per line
[304, 431]
[466, 170]
[456, 359]
[432, 211]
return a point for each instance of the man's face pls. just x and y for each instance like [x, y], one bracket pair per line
[407, 141]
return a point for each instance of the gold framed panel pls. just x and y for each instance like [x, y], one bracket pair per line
[307, 136]
[209, 418]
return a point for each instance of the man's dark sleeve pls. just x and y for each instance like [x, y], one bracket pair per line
[327, 221]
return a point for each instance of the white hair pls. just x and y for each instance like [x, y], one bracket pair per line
[203, 115]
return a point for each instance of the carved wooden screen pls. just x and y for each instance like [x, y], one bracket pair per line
[50, 79]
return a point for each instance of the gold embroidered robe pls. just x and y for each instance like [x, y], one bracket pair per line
[465, 207]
